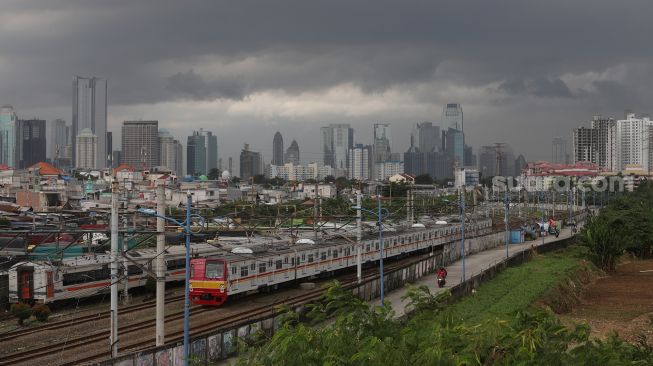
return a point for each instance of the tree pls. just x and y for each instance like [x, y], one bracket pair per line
[423, 179]
[21, 311]
[603, 242]
[260, 179]
[329, 179]
[214, 174]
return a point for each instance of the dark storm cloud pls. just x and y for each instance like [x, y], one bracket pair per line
[164, 50]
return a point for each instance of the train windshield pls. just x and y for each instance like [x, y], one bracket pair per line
[214, 269]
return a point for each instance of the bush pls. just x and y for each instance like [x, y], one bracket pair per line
[41, 312]
[21, 312]
[150, 285]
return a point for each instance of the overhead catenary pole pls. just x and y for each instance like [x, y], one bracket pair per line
[160, 266]
[114, 269]
[462, 232]
[358, 237]
[506, 217]
[381, 273]
[187, 284]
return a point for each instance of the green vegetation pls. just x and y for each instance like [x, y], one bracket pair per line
[517, 288]
[21, 311]
[498, 325]
[625, 224]
[41, 312]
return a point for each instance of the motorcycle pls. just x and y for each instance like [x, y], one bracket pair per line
[441, 282]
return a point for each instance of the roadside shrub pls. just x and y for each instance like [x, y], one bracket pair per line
[41, 312]
[21, 312]
[150, 285]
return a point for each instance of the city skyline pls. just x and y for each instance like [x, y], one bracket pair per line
[331, 68]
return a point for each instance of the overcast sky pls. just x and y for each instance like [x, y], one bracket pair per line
[524, 71]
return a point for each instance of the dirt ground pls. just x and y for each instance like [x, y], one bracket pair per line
[621, 302]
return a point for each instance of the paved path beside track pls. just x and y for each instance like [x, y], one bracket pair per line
[474, 264]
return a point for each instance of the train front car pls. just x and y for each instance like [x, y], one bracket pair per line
[208, 281]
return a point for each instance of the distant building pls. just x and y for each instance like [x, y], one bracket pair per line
[8, 121]
[169, 149]
[382, 142]
[359, 162]
[452, 117]
[292, 154]
[90, 111]
[466, 178]
[414, 159]
[30, 142]
[585, 145]
[634, 141]
[59, 142]
[427, 137]
[201, 152]
[337, 139]
[117, 158]
[109, 149]
[387, 169]
[250, 164]
[140, 144]
[438, 165]
[520, 165]
[86, 145]
[454, 146]
[277, 149]
[606, 141]
[559, 150]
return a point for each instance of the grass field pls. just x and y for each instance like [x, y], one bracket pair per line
[517, 288]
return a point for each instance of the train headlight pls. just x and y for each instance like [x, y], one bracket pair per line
[222, 287]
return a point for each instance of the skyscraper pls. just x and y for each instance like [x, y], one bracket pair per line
[201, 152]
[30, 142]
[427, 137]
[455, 146]
[86, 145]
[59, 144]
[382, 142]
[109, 148]
[359, 162]
[452, 116]
[140, 144]
[250, 164]
[337, 139]
[606, 141]
[584, 145]
[634, 145]
[277, 149]
[90, 111]
[559, 150]
[292, 154]
[169, 149]
[8, 122]
[414, 159]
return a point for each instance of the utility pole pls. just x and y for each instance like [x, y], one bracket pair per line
[160, 265]
[507, 205]
[462, 219]
[359, 235]
[315, 211]
[114, 269]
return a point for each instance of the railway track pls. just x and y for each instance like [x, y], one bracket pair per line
[61, 324]
[32, 355]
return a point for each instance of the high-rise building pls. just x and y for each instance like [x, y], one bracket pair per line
[438, 165]
[427, 137]
[387, 169]
[90, 111]
[116, 157]
[337, 139]
[250, 163]
[169, 152]
[606, 141]
[359, 162]
[559, 150]
[140, 144]
[231, 165]
[470, 158]
[452, 116]
[633, 141]
[8, 122]
[109, 149]
[414, 159]
[292, 154]
[201, 152]
[455, 146]
[87, 147]
[585, 144]
[277, 150]
[382, 142]
[30, 142]
[59, 144]
[520, 165]
[496, 160]
[486, 161]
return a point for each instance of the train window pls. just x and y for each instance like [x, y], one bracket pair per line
[310, 258]
[292, 260]
[270, 263]
[261, 267]
[376, 245]
[303, 257]
[424, 236]
[285, 260]
[253, 267]
[323, 256]
[234, 270]
[430, 234]
[335, 254]
[279, 264]
[214, 270]
[134, 270]
[87, 276]
[243, 271]
[402, 240]
[347, 251]
[367, 248]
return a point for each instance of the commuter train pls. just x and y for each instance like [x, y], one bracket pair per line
[214, 279]
[229, 267]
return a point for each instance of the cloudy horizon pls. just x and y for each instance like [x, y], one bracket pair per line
[523, 72]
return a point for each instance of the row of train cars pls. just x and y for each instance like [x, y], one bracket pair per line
[228, 266]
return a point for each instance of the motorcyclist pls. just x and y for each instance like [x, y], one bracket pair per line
[442, 275]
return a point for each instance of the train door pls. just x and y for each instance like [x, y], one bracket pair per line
[25, 283]
[50, 284]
